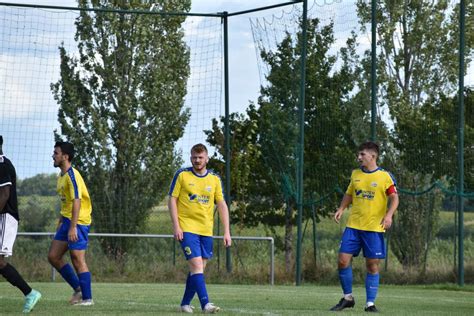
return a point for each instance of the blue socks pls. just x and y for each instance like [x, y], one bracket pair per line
[371, 283]
[345, 277]
[85, 282]
[189, 292]
[371, 286]
[69, 276]
[199, 285]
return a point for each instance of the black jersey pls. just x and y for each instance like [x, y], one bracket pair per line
[8, 178]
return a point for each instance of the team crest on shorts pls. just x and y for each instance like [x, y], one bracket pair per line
[187, 250]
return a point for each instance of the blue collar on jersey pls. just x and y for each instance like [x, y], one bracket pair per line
[367, 171]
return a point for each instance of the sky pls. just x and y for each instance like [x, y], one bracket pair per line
[29, 63]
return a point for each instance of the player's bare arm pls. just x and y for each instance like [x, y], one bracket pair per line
[393, 205]
[173, 208]
[76, 207]
[346, 201]
[224, 215]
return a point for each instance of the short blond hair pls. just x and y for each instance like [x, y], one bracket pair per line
[199, 148]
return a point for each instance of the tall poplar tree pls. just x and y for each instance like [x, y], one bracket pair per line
[264, 142]
[121, 98]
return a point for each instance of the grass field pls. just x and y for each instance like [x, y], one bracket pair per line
[163, 299]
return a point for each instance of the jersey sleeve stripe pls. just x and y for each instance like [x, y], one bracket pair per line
[393, 178]
[70, 172]
[4, 184]
[175, 178]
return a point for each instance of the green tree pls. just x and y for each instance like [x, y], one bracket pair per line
[40, 184]
[38, 213]
[417, 222]
[121, 100]
[417, 67]
[271, 131]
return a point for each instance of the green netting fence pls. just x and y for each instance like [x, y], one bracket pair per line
[134, 87]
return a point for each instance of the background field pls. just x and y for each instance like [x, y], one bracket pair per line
[163, 299]
[161, 261]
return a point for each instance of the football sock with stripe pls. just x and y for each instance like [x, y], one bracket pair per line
[345, 277]
[9, 272]
[371, 286]
[69, 276]
[197, 280]
[85, 282]
[188, 292]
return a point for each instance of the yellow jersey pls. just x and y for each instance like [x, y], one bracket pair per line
[196, 195]
[369, 191]
[71, 186]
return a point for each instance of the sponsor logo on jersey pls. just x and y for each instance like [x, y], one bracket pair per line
[203, 199]
[365, 194]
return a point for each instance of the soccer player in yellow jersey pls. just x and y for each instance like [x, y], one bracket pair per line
[370, 190]
[193, 194]
[73, 227]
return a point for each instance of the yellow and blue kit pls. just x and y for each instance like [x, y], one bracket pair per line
[196, 196]
[369, 191]
[71, 186]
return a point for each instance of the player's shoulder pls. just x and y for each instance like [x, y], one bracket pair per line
[5, 164]
[74, 174]
[4, 160]
[356, 171]
[387, 173]
[184, 170]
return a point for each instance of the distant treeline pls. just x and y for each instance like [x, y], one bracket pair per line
[40, 184]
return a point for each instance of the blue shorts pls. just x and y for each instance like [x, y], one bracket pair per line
[372, 243]
[82, 235]
[196, 246]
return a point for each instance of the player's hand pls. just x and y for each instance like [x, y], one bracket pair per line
[386, 222]
[178, 233]
[338, 215]
[227, 240]
[72, 234]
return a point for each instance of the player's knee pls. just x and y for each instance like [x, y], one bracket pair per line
[343, 263]
[196, 265]
[53, 259]
[79, 262]
[372, 267]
